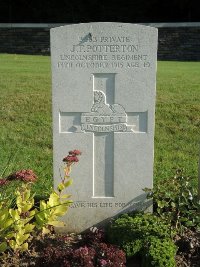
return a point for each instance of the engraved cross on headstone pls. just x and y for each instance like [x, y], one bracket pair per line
[110, 117]
[105, 119]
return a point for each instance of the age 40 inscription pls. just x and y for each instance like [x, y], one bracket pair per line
[102, 65]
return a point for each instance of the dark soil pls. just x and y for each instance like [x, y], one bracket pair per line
[188, 254]
[134, 262]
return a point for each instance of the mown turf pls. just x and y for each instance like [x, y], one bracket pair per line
[25, 116]
[177, 130]
[26, 125]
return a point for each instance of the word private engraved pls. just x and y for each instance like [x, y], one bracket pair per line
[104, 117]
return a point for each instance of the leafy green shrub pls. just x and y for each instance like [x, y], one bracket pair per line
[159, 253]
[146, 235]
[19, 223]
[176, 201]
[136, 228]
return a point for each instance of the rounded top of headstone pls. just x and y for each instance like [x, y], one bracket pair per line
[104, 25]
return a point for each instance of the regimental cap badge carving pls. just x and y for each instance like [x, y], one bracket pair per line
[104, 117]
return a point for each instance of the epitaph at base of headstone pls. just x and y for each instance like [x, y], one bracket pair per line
[104, 77]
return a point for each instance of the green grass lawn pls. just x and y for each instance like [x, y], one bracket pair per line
[177, 130]
[26, 124]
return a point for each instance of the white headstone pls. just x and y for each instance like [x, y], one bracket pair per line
[104, 77]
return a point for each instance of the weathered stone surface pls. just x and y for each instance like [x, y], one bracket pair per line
[104, 77]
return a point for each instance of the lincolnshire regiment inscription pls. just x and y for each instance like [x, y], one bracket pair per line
[103, 78]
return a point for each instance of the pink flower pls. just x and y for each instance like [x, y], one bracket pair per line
[103, 262]
[75, 152]
[83, 250]
[71, 159]
[24, 175]
[3, 182]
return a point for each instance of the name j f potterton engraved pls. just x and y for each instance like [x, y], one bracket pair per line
[104, 48]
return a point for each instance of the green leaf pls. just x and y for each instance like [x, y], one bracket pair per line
[8, 223]
[161, 204]
[189, 223]
[3, 246]
[68, 183]
[32, 213]
[20, 238]
[56, 223]
[3, 215]
[173, 204]
[40, 219]
[14, 214]
[65, 196]
[25, 207]
[10, 235]
[26, 195]
[29, 228]
[60, 210]
[19, 200]
[43, 205]
[24, 247]
[61, 187]
[45, 231]
[53, 199]
[12, 244]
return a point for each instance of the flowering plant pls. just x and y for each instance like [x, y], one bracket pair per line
[17, 223]
[23, 175]
[70, 160]
[87, 250]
